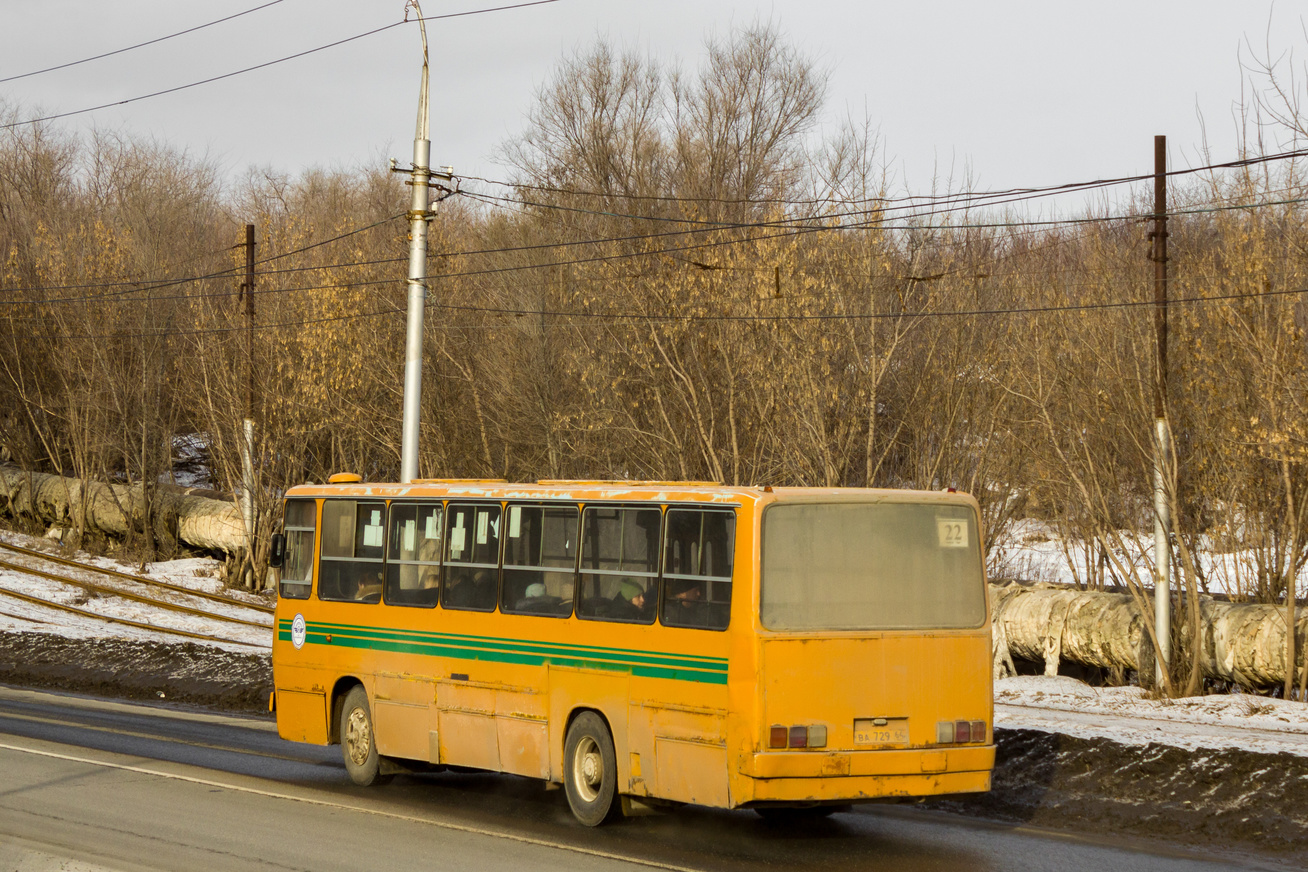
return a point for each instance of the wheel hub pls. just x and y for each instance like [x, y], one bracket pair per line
[358, 737]
[588, 769]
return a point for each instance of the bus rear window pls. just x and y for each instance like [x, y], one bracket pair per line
[871, 566]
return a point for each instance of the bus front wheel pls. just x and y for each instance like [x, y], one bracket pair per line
[590, 771]
[358, 744]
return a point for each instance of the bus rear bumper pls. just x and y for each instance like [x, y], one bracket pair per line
[857, 775]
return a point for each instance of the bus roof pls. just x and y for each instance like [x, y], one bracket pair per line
[612, 490]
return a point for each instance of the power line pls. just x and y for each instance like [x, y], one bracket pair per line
[704, 318]
[672, 250]
[480, 11]
[139, 44]
[261, 66]
[202, 81]
[872, 316]
[789, 227]
[130, 286]
[1048, 190]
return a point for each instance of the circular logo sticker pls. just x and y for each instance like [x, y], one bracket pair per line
[298, 631]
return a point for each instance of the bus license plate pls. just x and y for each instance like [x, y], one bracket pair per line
[881, 731]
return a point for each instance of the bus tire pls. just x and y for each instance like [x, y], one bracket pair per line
[590, 771]
[358, 742]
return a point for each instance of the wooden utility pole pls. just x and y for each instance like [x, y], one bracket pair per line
[1162, 434]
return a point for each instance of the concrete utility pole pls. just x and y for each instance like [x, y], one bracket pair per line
[247, 446]
[419, 215]
[1162, 437]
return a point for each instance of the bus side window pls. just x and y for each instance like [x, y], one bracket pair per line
[301, 519]
[472, 557]
[413, 554]
[353, 550]
[697, 558]
[540, 560]
[619, 564]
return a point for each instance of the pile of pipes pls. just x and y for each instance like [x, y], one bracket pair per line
[1240, 643]
[115, 509]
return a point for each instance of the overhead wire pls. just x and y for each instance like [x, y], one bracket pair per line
[791, 228]
[665, 317]
[791, 222]
[231, 272]
[119, 51]
[1069, 187]
[600, 258]
[265, 64]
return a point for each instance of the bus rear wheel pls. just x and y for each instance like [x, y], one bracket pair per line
[358, 744]
[590, 771]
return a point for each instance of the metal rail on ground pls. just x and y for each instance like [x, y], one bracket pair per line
[99, 588]
[258, 607]
[4, 591]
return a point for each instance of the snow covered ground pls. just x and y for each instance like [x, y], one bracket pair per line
[1059, 704]
[199, 574]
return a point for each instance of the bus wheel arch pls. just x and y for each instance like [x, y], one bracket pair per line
[590, 768]
[341, 689]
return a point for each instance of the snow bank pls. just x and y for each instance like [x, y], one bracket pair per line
[1058, 704]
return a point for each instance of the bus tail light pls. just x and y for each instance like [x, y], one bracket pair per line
[960, 732]
[798, 736]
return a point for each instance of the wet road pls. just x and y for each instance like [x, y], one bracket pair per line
[119, 786]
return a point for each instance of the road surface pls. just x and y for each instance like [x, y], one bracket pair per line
[89, 785]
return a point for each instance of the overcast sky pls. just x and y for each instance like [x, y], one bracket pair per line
[1022, 93]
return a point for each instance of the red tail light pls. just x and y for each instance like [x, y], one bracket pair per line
[777, 736]
[962, 731]
[799, 737]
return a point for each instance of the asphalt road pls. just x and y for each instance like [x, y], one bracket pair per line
[88, 785]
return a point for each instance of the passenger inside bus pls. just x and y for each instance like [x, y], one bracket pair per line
[684, 605]
[370, 588]
[628, 602]
[468, 589]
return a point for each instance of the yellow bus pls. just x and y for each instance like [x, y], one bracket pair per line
[790, 650]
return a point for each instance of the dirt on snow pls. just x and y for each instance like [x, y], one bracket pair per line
[189, 674]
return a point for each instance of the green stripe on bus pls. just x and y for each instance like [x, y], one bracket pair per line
[384, 632]
[507, 651]
[647, 658]
[651, 666]
[693, 660]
